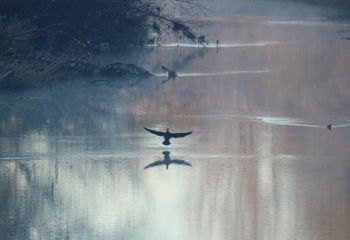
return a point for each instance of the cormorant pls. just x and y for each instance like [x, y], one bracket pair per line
[171, 73]
[167, 135]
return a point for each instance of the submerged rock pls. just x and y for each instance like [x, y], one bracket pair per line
[36, 72]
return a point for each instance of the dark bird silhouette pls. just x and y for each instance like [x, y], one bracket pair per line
[171, 73]
[167, 135]
[329, 126]
[167, 161]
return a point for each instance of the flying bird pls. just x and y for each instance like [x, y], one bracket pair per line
[167, 161]
[171, 73]
[167, 135]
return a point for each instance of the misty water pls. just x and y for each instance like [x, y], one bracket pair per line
[263, 163]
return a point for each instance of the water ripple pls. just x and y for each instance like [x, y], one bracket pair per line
[221, 45]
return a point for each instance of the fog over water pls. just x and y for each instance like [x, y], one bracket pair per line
[264, 165]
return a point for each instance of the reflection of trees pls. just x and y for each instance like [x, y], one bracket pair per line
[66, 109]
[66, 198]
[19, 204]
[73, 109]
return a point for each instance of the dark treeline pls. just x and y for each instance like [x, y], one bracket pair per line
[47, 41]
[61, 25]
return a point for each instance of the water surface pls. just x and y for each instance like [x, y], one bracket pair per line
[264, 166]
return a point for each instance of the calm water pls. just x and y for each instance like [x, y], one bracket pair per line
[263, 164]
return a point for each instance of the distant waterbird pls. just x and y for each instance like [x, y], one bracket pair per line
[332, 126]
[171, 73]
[168, 135]
[276, 121]
[168, 161]
[223, 73]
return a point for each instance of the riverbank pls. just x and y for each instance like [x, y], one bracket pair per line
[23, 72]
[45, 44]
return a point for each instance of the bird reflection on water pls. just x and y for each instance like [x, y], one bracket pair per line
[168, 161]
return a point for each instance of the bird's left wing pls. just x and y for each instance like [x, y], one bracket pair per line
[155, 132]
[179, 135]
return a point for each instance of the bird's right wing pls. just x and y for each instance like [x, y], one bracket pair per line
[179, 135]
[155, 132]
[181, 162]
[154, 164]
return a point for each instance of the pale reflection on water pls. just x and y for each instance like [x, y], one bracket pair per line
[216, 45]
[264, 166]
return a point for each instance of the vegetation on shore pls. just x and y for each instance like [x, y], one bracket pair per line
[44, 35]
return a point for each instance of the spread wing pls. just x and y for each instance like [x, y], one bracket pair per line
[165, 69]
[179, 135]
[155, 132]
[154, 164]
[181, 162]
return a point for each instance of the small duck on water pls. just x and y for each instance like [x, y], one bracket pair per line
[171, 73]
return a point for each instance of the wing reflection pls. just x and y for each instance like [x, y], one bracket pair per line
[167, 161]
